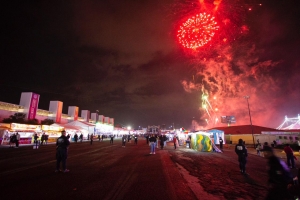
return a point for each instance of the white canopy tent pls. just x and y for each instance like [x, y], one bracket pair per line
[72, 129]
[83, 125]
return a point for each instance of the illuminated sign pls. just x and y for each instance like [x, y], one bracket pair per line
[52, 128]
[4, 125]
[27, 127]
[228, 119]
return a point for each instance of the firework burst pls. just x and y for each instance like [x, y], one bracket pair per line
[197, 31]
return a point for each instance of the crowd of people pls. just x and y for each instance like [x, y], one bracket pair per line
[282, 183]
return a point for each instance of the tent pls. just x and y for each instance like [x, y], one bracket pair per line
[69, 127]
[216, 134]
[83, 125]
[70, 130]
[201, 141]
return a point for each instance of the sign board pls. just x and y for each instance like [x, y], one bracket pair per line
[228, 119]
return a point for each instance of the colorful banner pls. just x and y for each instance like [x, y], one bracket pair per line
[59, 111]
[33, 106]
[76, 113]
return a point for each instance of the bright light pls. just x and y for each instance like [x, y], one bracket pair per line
[128, 127]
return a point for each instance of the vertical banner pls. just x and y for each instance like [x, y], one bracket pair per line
[76, 113]
[56, 108]
[58, 111]
[111, 120]
[101, 119]
[33, 106]
[73, 112]
[85, 114]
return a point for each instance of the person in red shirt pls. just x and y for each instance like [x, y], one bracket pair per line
[175, 141]
[289, 156]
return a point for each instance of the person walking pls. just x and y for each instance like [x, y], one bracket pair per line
[42, 138]
[188, 142]
[46, 139]
[165, 140]
[175, 142]
[111, 139]
[221, 143]
[152, 141]
[81, 137]
[161, 140]
[75, 137]
[241, 151]
[258, 149]
[17, 139]
[62, 145]
[123, 140]
[289, 156]
[135, 139]
[279, 176]
[128, 139]
[35, 140]
[92, 137]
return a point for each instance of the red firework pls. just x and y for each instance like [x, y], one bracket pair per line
[197, 31]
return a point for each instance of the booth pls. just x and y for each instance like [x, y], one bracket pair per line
[215, 135]
[26, 132]
[52, 132]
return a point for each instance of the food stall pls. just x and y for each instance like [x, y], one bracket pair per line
[4, 127]
[52, 132]
[26, 132]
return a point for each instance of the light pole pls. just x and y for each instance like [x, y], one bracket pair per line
[194, 123]
[247, 98]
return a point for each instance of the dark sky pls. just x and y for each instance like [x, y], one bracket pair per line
[123, 59]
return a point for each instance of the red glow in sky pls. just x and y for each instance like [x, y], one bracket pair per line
[197, 31]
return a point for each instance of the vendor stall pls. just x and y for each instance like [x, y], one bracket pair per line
[26, 132]
[52, 132]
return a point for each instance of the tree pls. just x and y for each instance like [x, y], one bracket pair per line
[47, 122]
[16, 118]
[32, 121]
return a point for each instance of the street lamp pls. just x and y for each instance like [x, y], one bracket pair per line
[247, 98]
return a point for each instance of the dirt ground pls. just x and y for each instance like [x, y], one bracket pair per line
[105, 171]
[219, 176]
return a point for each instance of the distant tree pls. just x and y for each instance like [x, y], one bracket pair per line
[32, 121]
[47, 122]
[16, 118]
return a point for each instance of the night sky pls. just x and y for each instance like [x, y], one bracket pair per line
[123, 58]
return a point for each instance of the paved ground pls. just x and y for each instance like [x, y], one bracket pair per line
[104, 171]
